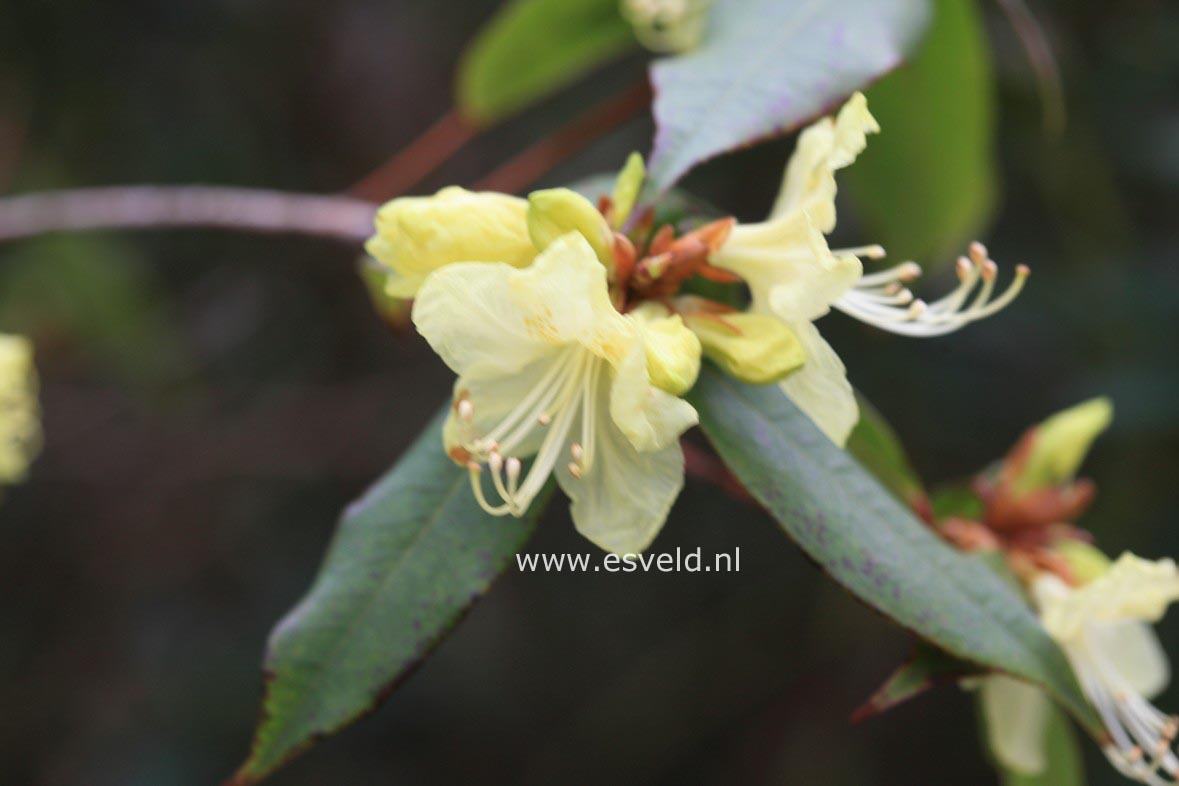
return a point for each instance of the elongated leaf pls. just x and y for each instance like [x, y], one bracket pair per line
[407, 560]
[875, 445]
[872, 545]
[765, 67]
[531, 48]
[926, 183]
[927, 668]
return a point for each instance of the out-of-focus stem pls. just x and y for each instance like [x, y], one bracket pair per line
[1039, 52]
[408, 166]
[158, 207]
[532, 164]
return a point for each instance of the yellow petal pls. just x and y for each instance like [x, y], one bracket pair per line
[556, 212]
[488, 319]
[754, 348]
[620, 504]
[788, 266]
[418, 235]
[1134, 651]
[828, 145]
[650, 418]
[820, 388]
[1015, 715]
[1132, 589]
[673, 351]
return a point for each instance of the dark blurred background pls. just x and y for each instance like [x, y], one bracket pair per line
[212, 401]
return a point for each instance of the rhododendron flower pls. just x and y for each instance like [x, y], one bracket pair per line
[550, 369]
[1103, 626]
[793, 275]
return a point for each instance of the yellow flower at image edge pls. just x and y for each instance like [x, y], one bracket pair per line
[1104, 629]
[417, 235]
[548, 368]
[20, 427]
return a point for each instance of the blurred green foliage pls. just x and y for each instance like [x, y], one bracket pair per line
[927, 183]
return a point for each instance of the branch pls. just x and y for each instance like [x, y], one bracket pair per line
[147, 207]
[417, 159]
[528, 167]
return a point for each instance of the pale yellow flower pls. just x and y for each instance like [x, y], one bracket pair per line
[793, 274]
[1104, 629]
[548, 368]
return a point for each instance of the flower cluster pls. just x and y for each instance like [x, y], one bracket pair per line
[576, 328]
[1098, 611]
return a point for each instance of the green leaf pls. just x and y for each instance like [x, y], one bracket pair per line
[927, 668]
[408, 559]
[875, 445]
[871, 544]
[765, 67]
[926, 183]
[531, 48]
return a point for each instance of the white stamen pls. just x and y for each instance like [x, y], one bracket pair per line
[1140, 735]
[869, 252]
[873, 301]
[564, 391]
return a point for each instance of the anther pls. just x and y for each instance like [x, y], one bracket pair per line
[917, 308]
[989, 270]
[474, 466]
[466, 410]
[1134, 755]
[575, 470]
[577, 451]
[495, 462]
[1023, 271]
[963, 268]
[978, 253]
[544, 418]
[908, 271]
[512, 468]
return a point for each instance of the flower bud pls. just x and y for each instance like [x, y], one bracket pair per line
[1085, 561]
[1060, 443]
[667, 26]
[417, 235]
[754, 348]
[673, 351]
[558, 211]
[627, 188]
[20, 423]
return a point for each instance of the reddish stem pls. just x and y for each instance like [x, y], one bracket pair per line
[532, 164]
[702, 465]
[408, 166]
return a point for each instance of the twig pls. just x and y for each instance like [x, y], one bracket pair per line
[419, 158]
[1039, 52]
[528, 167]
[146, 207]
